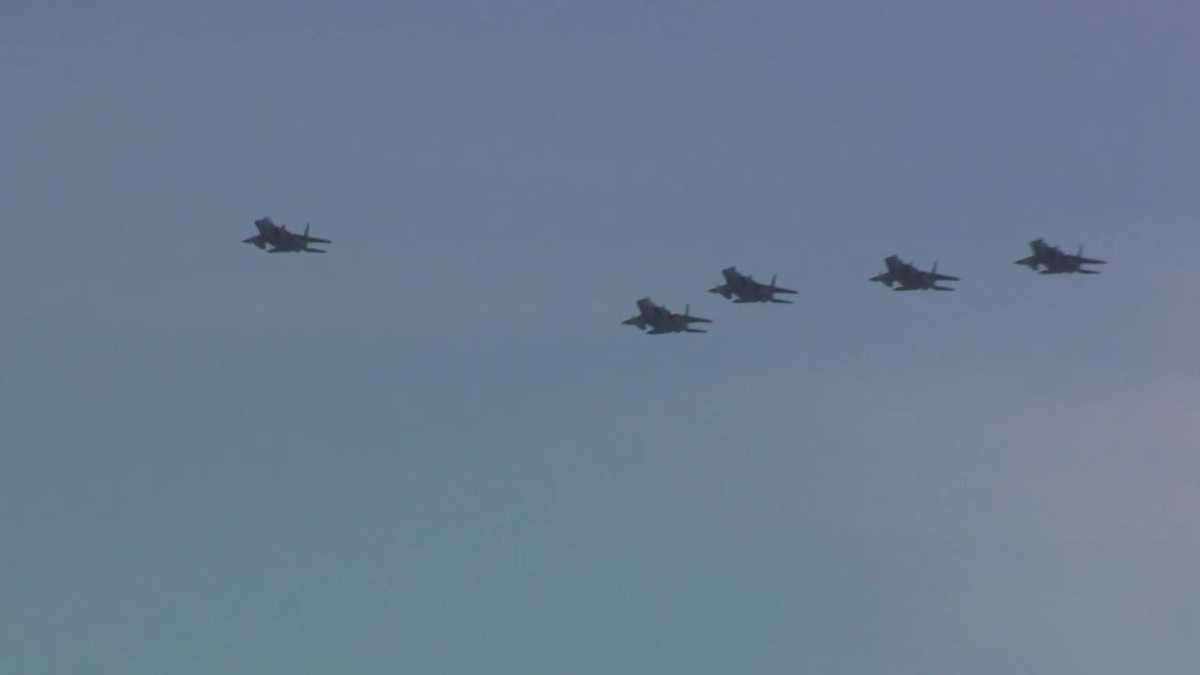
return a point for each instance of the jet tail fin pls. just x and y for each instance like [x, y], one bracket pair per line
[307, 241]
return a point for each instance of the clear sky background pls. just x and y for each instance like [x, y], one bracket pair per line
[436, 450]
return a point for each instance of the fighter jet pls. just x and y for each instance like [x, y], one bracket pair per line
[746, 289]
[282, 241]
[909, 278]
[662, 320]
[1055, 261]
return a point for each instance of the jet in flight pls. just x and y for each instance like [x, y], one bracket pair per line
[1055, 261]
[909, 278]
[281, 240]
[662, 320]
[746, 289]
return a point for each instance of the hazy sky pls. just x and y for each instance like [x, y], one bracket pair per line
[436, 450]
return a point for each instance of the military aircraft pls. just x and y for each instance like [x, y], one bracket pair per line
[282, 241]
[910, 278]
[1055, 261]
[746, 289]
[662, 320]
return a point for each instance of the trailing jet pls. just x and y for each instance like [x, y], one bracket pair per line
[662, 320]
[909, 278]
[746, 289]
[282, 241]
[1055, 261]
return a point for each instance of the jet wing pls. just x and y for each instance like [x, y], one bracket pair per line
[784, 290]
[942, 277]
[313, 240]
[1089, 261]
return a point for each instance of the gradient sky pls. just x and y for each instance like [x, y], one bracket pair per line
[435, 450]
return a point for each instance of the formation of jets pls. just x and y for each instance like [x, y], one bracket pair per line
[738, 287]
[900, 276]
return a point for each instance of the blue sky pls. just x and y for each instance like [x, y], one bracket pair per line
[435, 449]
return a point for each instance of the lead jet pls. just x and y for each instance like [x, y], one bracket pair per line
[746, 289]
[281, 240]
[909, 278]
[661, 320]
[1055, 261]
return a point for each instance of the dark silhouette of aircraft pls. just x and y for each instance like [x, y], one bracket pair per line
[662, 320]
[281, 240]
[746, 289]
[1055, 261]
[909, 278]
